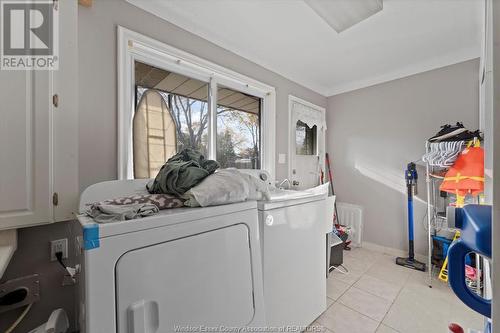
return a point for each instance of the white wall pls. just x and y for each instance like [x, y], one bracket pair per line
[97, 79]
[374, 132]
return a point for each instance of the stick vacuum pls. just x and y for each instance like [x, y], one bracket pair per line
[411, 186]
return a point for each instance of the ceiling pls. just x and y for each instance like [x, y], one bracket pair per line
[289, 38]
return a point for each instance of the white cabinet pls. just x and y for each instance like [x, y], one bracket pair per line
[25, 152]
[38, 141]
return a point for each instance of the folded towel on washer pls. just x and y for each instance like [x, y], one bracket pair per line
[105, 213]
[226, 186]
[182, 172]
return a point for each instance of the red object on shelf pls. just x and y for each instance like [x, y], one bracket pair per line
[455, 328]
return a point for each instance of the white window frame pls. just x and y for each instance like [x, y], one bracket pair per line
[133, 46]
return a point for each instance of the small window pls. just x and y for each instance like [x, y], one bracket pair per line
[305, 139]
[238, 129]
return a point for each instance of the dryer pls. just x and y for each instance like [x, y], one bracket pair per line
[179, 269]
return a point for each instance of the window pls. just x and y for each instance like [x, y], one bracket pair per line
[171, 114]
[305, 139]
[169, 100]
[238, 129]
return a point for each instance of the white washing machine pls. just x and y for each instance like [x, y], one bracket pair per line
[292, 228]
[179, 269]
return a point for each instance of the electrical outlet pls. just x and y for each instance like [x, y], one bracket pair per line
[58, 245]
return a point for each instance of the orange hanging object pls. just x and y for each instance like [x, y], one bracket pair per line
[466, 176]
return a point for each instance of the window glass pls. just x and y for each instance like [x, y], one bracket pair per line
[305, 139]
[171, 114]
[238, 129]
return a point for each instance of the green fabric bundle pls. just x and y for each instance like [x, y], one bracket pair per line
[182, 172]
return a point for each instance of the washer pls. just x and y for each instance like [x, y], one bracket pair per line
[292, 228]
[184, 267]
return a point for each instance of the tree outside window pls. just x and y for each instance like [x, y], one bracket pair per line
[237, 114]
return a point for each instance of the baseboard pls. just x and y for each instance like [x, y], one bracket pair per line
[392, 251]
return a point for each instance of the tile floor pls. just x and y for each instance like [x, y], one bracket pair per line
[379, 296]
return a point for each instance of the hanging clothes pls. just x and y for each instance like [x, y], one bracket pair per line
[443, 154]
[466, 176]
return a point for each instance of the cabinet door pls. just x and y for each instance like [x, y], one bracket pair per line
[39, 141]
[25, 148]
[65, 85]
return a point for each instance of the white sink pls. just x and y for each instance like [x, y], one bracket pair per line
[282, 194]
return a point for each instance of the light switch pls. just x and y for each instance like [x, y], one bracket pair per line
[281, 158]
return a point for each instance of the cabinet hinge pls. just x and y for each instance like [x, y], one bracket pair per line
[55, 100]
[55, 199]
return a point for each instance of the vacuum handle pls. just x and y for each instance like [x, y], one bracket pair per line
[456, 276]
